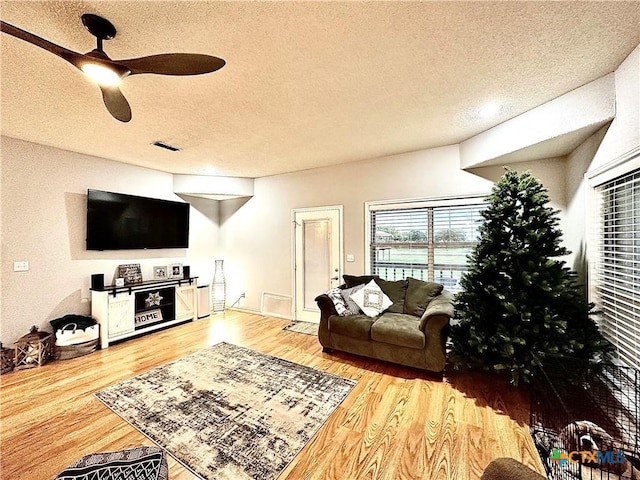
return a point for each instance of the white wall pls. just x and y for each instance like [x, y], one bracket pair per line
[605, 146]
[43, 222]
[575, 229]
[624, 133]
[256, 236]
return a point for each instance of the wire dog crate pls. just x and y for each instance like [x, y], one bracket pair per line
[585, 420]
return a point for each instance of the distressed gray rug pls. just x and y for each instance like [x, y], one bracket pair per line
[227, 412]
[307, 328]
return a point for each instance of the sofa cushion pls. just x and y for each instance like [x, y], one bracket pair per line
[371, 299]
[419, 294]
[352, 307]
[353, 280]
[398, 329]
[354, 326]
[396, 291]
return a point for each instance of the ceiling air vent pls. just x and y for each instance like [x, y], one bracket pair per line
[166, 146]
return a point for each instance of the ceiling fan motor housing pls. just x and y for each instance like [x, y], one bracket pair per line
[99, 27]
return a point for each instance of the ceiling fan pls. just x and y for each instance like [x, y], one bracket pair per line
[108, 73]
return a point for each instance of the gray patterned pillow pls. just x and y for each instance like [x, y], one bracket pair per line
[352, 307]
[336, 297]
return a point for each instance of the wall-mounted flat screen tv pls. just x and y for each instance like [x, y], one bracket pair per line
[116, 221]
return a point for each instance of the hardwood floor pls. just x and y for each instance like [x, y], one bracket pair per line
[398, 423]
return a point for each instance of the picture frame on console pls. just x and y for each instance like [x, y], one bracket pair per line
[131, 273]
[175, 271]
[160, 272]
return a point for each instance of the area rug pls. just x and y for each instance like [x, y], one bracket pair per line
[307, 328]
[227, 412]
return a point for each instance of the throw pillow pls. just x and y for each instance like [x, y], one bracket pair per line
[396, 291]
[336, 297]
[352, 307]
[353, 280]
[371, 299]
[419, 295]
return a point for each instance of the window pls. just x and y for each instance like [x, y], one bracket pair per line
[617, 269]
[425, 240]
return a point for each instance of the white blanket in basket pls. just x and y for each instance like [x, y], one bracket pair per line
[71, 335]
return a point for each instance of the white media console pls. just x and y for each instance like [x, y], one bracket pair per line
[124, 312]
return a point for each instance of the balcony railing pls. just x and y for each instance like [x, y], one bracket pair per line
[447, 274]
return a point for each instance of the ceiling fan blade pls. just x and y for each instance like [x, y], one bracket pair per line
[174, 64]
[70, 56]
[116, 103]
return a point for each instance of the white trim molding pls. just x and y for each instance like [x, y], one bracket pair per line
[615, 168]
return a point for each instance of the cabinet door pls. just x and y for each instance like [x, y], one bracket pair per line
[185, 302]
[121, 314]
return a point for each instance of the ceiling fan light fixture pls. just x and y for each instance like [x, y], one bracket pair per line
[99, 67]
[101, 74]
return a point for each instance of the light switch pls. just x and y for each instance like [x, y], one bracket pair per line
[20, 266]
[351, 257]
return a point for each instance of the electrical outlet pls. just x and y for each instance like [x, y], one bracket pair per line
[20, 266]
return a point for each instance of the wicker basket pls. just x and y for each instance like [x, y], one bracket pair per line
[78, 350]
[7, 359]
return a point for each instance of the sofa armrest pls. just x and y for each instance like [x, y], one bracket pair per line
[441, 305]
[435, 325]
[327, 308]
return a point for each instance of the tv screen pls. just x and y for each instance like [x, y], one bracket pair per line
[116, 221]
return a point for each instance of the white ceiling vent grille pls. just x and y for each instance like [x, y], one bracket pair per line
[166, 146]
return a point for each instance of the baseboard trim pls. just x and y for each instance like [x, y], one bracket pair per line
[257, 312]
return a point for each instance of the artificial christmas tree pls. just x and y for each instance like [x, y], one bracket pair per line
[519, 304]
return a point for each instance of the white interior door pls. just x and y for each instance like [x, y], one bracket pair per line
[318, 257]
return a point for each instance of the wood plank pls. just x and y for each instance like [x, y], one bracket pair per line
[397, 423]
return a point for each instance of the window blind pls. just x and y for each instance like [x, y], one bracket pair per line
[429, 243]
[617, 280]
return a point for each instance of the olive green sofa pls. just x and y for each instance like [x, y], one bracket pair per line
[411, 332]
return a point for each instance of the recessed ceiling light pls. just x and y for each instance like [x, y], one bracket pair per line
[489, 110]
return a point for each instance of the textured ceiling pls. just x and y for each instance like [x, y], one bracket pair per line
[306, 84]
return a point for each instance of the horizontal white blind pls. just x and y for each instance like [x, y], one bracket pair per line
[457, 224]
[617, 279]
[429, 243]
